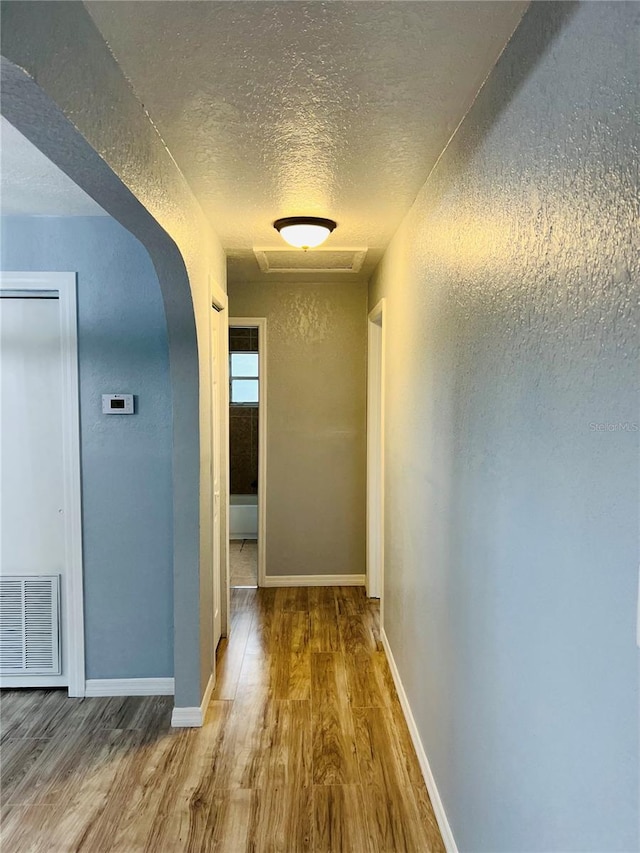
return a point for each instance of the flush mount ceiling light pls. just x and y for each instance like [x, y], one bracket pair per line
[304, 232]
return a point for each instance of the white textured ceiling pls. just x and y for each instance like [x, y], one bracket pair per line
[31, 185]
[336, 109]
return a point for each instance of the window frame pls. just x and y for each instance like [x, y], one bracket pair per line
[233, 377]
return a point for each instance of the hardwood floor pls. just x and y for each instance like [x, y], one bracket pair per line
[304, 748]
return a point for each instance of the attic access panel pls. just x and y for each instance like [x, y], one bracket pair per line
[315, 260]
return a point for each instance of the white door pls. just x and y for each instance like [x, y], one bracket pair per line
[216, 424]
[32, 521]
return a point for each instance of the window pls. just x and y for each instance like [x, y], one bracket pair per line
[243, 378]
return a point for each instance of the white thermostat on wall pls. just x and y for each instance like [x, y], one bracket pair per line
[117, 404]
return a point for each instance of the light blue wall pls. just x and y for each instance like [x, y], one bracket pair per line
[511, 534]
[126, 461]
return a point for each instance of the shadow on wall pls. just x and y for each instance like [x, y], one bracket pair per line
[548, 29]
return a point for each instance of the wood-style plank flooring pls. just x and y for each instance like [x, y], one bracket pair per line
[304, 748]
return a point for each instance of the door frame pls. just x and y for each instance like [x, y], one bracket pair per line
[64, 283]
[375, 452]
[259, 323]
[218, 301]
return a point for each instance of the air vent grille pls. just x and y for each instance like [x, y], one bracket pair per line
[30, 625]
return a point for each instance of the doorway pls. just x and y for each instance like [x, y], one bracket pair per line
[375, 453]
[247, 451]
[41, 558]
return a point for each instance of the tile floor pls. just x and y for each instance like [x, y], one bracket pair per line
[243, 562]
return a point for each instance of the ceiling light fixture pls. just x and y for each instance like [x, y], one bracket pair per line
[304, 232]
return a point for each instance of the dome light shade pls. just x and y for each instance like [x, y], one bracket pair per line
[304, 232]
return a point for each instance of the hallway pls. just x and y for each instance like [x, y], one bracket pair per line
[304, 748]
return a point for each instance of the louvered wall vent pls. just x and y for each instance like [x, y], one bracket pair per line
[30, 625]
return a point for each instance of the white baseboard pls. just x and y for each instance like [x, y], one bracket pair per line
[129, 687]
[247, 537]
[436, 802]
[186, 718]
[314, 580]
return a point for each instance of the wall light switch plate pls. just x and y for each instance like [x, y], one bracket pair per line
[117, 404]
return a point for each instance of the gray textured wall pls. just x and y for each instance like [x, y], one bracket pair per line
[84, 116]
[316, 369]
[511, 526]
[126, 461]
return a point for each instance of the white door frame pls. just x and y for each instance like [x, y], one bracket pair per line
[218, 301]
[259, 323]
[375, 452]
[64, 284]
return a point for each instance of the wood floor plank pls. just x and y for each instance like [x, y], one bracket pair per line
[85, 818]
[323, 616]
[260, 638]
[387, 788]
[230, 820]
[243, 600]
[351, 599]
[386, 824]
[416, 780]
[289, 755]
[356, 636]
[334, 751]
[246, 743]
[264, 741]
[73, 807]
[18, 708]
[43, 718]
[390, 831]
[290, 631]
[83, 759]
[292, 598]
[160, 827]
[102, 818]
[290, 675]
[389, 692]
[363, 680]
[186, 822]
[40, 829]
[17, 757]
[307, 751]
[149, 714]
[289, 662]
[372, 620]
[162, 766]
[339, 820]
[230, 655]
[283, 820]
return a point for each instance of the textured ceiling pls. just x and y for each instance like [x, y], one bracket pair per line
[31, 185]
[336, 109]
